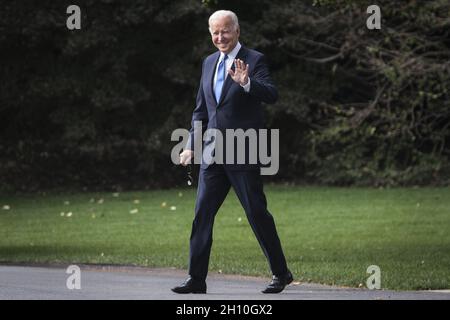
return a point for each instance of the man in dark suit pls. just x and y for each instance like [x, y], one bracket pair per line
[235, 81]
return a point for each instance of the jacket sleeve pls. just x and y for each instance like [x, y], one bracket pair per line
[200, 113]
[262, 86]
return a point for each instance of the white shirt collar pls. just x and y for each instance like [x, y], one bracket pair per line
[233, 53]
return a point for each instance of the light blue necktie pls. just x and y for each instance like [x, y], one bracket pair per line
[220, 78]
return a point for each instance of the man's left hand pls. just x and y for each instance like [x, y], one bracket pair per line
[240, 73]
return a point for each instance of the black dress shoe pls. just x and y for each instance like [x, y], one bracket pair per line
[278, 283]
[191, 286]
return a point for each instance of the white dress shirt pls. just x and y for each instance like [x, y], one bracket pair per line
[230, 60]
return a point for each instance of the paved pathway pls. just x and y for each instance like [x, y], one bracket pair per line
[135, 283]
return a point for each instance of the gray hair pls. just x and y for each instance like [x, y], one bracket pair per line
[222, 14]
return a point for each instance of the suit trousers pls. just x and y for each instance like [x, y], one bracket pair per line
[214, 184]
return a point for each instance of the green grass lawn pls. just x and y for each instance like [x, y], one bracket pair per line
[330, 235]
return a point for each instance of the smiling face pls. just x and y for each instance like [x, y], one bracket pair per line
[224, 33]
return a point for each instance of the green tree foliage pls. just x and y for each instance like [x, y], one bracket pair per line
[96, 106]
[363, 106]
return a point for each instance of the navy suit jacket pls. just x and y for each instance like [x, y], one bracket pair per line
[236, 108]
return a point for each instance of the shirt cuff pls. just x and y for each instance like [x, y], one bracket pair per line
[247, 86]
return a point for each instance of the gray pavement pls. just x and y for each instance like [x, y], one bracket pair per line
[136, 283]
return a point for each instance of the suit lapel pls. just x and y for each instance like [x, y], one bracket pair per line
[209, 75]
[228, 81]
